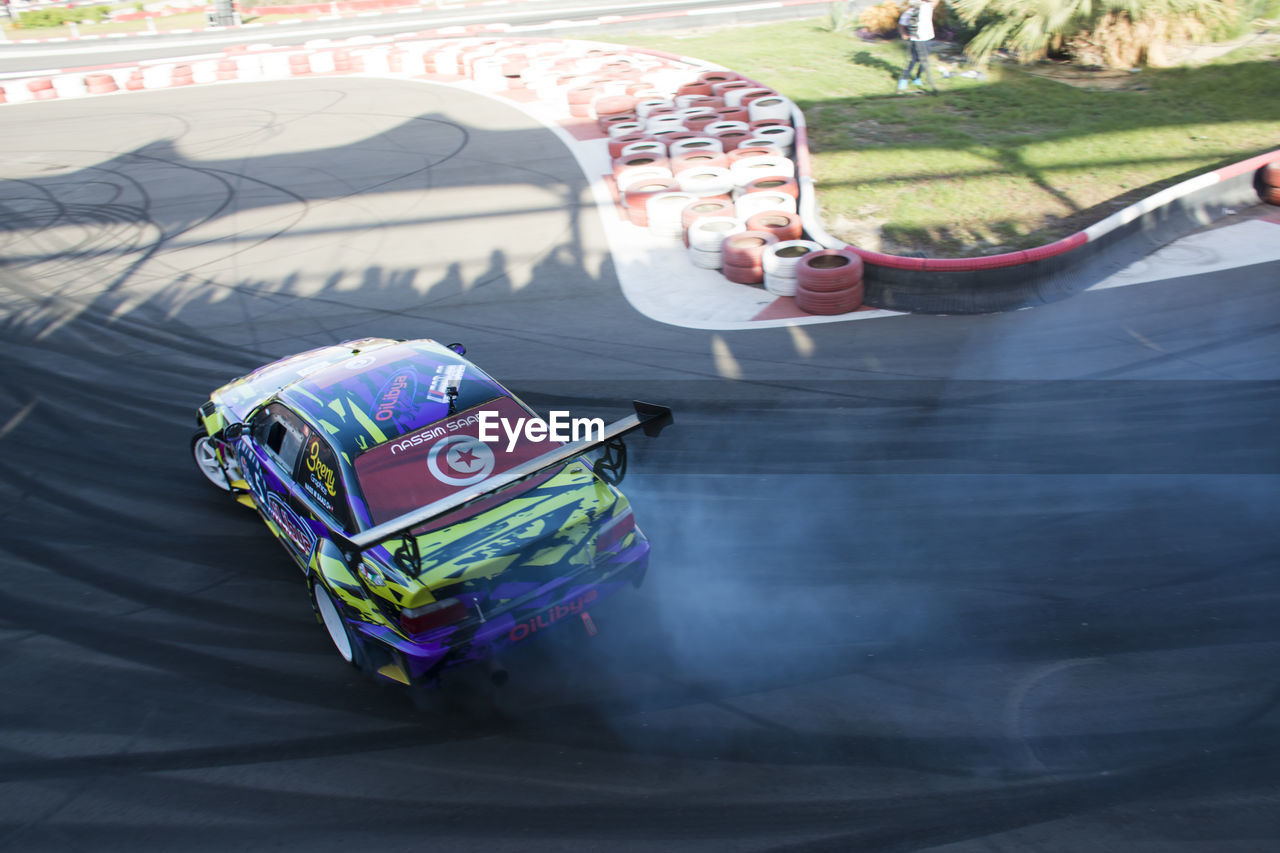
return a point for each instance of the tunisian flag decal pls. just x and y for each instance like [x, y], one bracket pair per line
[421, 467]
[460, 460]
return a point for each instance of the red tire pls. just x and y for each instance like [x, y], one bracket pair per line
[611, 105]
[730, 139]
[711, 78]
[746, 248]
[100, 83]
[724, 86]
[1271, 174]
[579, 98]
[742, 275]
[829, 270]
[784, 226]
[754, 151]
[642, 159]
[704, 207]
[608, 121]
[637, 198]
[840, 301]
[616, 144]
[697, 160]
[694, 89]
[733, 114]
[774, 183]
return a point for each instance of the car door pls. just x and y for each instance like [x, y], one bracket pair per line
[278, 438]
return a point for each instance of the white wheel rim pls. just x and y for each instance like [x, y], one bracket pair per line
[333, 623]
[207, 461]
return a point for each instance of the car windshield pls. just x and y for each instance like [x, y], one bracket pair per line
[435, 462]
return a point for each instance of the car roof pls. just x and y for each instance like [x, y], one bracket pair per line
[383, 393]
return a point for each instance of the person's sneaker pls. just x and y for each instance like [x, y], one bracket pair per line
[918, 82]
[902, 85]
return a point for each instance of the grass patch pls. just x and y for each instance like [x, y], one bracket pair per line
[1011, 161]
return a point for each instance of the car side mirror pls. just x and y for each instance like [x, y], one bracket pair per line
[231, 432]
[458, 348]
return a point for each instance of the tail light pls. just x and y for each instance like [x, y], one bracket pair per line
[615, 530]
[429, 617]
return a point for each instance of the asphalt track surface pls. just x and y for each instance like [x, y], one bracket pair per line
[923, 583]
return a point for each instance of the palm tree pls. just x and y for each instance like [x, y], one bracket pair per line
[1030, 28]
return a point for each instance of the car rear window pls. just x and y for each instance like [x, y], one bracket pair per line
[439, 460]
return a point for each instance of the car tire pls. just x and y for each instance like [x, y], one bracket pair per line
[206, 458]
[331, 619]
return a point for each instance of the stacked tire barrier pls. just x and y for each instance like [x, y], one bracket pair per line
[709, 160]
[779, 264]
[743, 256]
[829, 281]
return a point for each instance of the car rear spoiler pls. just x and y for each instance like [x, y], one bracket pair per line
[648, 417]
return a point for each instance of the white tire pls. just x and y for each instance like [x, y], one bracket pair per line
[665, 121]
[646, 107]
[781, 258]
[726, 126]
[779, 285]
[695, 112]
[647, 146]
[665, 211]
[748, 205]
[735, 97]
[747, 169]
[776, 134]
[705, 259]
[707, 234]
[706, 180]
[633, 175]
[625, 128]
[774, 106]
[690, 146]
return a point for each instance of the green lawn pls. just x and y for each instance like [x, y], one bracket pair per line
[1010, 161]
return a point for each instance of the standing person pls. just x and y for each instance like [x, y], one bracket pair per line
[916, 26]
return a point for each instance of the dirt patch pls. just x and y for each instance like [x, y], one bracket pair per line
[1094, 79]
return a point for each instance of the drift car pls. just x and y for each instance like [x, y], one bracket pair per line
[424, 548]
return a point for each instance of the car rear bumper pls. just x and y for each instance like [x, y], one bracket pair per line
[390, 656]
